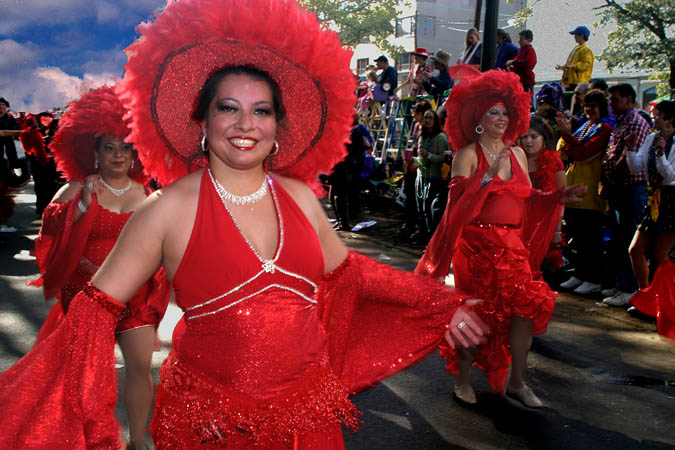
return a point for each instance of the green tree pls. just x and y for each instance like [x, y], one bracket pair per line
[356, 20]
[644, 36]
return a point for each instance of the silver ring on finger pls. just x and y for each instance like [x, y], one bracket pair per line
[90, 185]
[461, 325]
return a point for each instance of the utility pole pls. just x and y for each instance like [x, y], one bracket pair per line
[489, 55]
[476, 16]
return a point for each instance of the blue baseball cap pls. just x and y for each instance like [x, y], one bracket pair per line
[582, 30]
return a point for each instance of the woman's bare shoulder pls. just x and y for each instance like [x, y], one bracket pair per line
[176, 198]
[296, 188]
[68, 191]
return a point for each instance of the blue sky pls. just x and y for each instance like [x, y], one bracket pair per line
[52, 50]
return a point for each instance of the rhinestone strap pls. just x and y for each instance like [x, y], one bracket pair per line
[266, 264]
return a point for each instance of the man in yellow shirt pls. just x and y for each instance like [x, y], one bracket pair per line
[579, 65]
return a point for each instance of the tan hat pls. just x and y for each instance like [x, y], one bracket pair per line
[442, 57]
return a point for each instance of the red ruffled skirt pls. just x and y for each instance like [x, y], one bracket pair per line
[491, 263]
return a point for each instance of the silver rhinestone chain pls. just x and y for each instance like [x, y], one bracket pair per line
[219, 190]
[243, 199]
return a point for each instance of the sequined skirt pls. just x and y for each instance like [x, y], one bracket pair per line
[193, 410]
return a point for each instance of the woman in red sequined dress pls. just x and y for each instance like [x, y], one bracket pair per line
[547, 174]
[493, 224]
[282, 321]
[81, 225]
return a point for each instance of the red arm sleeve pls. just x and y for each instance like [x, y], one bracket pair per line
[63, 393]
[60, 243]
[581, 151]
[464, 203]
[541, 219]
[380, 320]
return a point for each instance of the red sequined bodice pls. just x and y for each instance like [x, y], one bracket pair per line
[104, 233]
[505, 205]
[252, 325]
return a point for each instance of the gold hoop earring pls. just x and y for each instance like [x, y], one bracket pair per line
[276, 149]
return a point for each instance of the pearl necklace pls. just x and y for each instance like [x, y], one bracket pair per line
[240, 199]
[115, 192]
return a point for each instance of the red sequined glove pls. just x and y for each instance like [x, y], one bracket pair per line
[62, 394]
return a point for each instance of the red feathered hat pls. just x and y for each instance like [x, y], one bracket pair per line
[96, 113]
[192, 39]
[468, 102]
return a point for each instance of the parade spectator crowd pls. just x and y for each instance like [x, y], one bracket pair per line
[610, 243]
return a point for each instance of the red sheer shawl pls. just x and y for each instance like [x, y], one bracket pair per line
[465, 201]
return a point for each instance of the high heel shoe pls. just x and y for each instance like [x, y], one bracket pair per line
[525, 396]
[464, 392]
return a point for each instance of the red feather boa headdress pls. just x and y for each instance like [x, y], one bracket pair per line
[96, 113]
[191, 39]
[468, 102]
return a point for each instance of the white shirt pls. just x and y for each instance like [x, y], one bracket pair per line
[637, 161]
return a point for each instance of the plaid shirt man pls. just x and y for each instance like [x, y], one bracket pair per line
[615, 168]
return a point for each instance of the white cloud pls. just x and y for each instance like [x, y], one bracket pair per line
[48, 87]
[15, 55]
[106, 12]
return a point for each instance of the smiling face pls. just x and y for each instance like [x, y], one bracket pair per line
[241, 122]
[532, 142]
[495, 121]
[592, 111]
[114, 156]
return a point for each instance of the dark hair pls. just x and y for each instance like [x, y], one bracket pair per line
[598, 83]
[527, 34]
[422, 106]
[546, 112]
[208, 90]
[667, 107]
[597, 97]
[624, 90]
[506, 36]
[435, 129]
[542, 127]
[2, 100]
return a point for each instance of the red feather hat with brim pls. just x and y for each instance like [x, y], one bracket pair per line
[192, 39]
[97, 113]
[468, 102]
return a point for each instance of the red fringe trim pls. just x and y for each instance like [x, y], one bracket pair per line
[191, 408]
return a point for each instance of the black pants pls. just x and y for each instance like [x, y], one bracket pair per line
[431, 194]
[584, 229]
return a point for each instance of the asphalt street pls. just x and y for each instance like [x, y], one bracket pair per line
[607, 379]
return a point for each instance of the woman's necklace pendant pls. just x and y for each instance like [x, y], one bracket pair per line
[115, 192]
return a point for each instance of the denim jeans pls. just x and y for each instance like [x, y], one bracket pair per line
[626, 209]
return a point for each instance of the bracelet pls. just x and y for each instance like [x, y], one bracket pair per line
[486, 179]
[81, 207]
